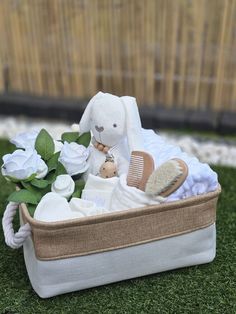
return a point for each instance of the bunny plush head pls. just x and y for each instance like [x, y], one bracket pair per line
[111, 119]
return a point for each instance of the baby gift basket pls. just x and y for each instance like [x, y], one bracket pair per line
[119, 224]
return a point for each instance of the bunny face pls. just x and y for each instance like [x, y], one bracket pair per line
[112, 118]
[107, 121]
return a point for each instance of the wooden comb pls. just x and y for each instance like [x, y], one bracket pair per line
[140, 168]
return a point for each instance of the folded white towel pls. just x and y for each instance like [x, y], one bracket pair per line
[99, 190]
[54, 207]
[95, 182]
[86, 208]
[125, 197]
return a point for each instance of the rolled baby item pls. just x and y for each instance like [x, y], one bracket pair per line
[63, 185]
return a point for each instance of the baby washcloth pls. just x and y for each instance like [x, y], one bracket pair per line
[99, 190]
[125, 197]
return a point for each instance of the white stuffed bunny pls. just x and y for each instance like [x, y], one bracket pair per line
[114, 122]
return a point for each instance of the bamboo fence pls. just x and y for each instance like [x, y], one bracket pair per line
[178, 53]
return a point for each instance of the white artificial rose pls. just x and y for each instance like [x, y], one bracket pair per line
[22, 164]
[63, 185]
[75, 127]
[42, 169]
[25, 140]
[74, 158]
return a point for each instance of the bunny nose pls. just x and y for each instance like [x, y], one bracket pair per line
[99, 128]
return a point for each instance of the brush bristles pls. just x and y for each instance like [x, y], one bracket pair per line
[164, 178]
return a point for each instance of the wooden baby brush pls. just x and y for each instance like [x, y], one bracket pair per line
[167, 178]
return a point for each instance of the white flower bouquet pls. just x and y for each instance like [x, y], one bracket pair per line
[41, 165]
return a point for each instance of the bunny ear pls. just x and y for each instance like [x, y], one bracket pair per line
[133, 124]
[84, 125]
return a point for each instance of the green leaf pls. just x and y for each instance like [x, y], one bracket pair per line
[60, 169]
[70, 136]
[84, 139]
[14, 180]
[30, 178]
[23, 196]
[79, 186]
[41, 184]
[53, 162]
[77, 194]
[51, 177]
[31, 209]
[44, 145]
[29, 187]
[38, 193]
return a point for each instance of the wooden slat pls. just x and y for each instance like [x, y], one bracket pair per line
[178, 53]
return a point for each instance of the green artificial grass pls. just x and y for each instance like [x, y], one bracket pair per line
[207, 288]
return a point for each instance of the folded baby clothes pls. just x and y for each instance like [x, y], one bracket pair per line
[54, 207]
[125, 197]
[99, 190]
[86, 208]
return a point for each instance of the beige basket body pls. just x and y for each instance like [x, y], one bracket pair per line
[111, 231]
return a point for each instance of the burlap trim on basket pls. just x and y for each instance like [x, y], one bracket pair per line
[120, 229]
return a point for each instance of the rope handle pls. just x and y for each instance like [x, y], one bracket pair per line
[12, 239]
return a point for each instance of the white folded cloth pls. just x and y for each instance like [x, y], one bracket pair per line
[201, 178]
[86, 208]
[54, 207]
[99, 190]
[125, 197]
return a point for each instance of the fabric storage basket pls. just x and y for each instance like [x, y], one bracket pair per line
[66, 256]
